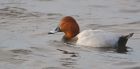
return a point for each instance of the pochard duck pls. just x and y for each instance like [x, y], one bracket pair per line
[94, 38]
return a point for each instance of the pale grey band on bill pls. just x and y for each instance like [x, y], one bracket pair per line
[55, 30]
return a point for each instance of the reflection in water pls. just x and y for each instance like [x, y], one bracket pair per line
[108, 49]
[69, 59]
[68, 62]
[53, 68]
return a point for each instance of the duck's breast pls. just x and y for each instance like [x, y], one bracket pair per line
[97, 38]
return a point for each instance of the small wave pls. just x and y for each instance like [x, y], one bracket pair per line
[136, 67]
[17, 12]
[21, 51]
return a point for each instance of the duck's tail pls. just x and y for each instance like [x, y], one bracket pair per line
[129, 35]
[122, 43]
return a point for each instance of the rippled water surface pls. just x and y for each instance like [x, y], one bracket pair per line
[25, 44]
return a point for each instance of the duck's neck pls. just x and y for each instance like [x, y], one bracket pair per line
[69, 37]
[65, 39]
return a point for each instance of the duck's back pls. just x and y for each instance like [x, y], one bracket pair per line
[98, 38]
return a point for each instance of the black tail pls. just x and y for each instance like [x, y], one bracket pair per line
[122, 43]
[129, 35]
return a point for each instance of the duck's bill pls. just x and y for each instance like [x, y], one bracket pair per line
[55, 31]
[52, 32]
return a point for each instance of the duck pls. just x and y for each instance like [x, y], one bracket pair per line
[92, 38]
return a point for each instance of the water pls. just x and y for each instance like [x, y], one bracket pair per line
[25, 44]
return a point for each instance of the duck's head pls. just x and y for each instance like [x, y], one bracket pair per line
[69, 26]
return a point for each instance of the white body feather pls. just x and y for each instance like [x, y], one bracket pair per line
[98, 38]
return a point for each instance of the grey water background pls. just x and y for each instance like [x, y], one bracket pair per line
[25, 44]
